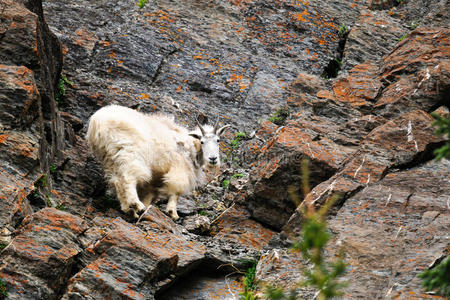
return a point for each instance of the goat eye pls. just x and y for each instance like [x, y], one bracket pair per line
[201, 142]
[217, 140]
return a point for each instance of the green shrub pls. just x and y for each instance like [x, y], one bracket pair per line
[443, 129]
[324, 275]
[249, 282]
[438, 278]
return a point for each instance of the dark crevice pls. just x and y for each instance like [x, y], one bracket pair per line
[69, 273]
[341, 201]
[208, 268]
[443, 102]
[419, 159]
[395, 3]
[196, 86]
[334, 65]
[161, 64]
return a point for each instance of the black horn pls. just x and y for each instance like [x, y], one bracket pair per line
[200, 126]
[216, 126]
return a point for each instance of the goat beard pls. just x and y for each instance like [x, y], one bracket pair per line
[211, 169]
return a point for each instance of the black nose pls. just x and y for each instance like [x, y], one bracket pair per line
[213, 160]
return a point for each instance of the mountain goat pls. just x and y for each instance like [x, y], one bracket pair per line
[147, 154]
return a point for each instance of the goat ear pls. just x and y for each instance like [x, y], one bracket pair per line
[222, 129]
[197, 145]
[195, 135]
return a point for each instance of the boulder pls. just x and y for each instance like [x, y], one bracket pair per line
[42, 256]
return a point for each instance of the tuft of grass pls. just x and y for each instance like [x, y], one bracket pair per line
[438, 278]
[61, 93]
[225, 184]
[48, 200]
[61, 207]
[41, 182]
[403, 37]
[203, 213]
[3, 289]
[343, 29]
[52, 168]
[142, 3]
[414, 25]
[238, 137]
[3, 245]
[237, 175]
[279, 116]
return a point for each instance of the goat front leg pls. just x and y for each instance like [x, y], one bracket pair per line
[128, 196]
[171, 208]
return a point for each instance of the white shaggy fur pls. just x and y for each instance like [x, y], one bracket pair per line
[144, 155]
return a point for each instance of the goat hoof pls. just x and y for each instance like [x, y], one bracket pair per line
[173, 215]
[135, 211]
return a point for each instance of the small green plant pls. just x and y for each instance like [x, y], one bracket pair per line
[279, 116]
[414, 25]
[443, 129]
[438, 278]
[3, 290]
[3, 245]
[142, 3]
[203, 213]
[239, 136]
[42, 181]
[225, 184]
[61, 206]
[343, 29]
[237, 175]
[61, 93]
[48, 200]
[52, 168]
[403, 37]
[249, 279]
[249, 282]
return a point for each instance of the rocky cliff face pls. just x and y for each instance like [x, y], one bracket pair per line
[358, 78]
